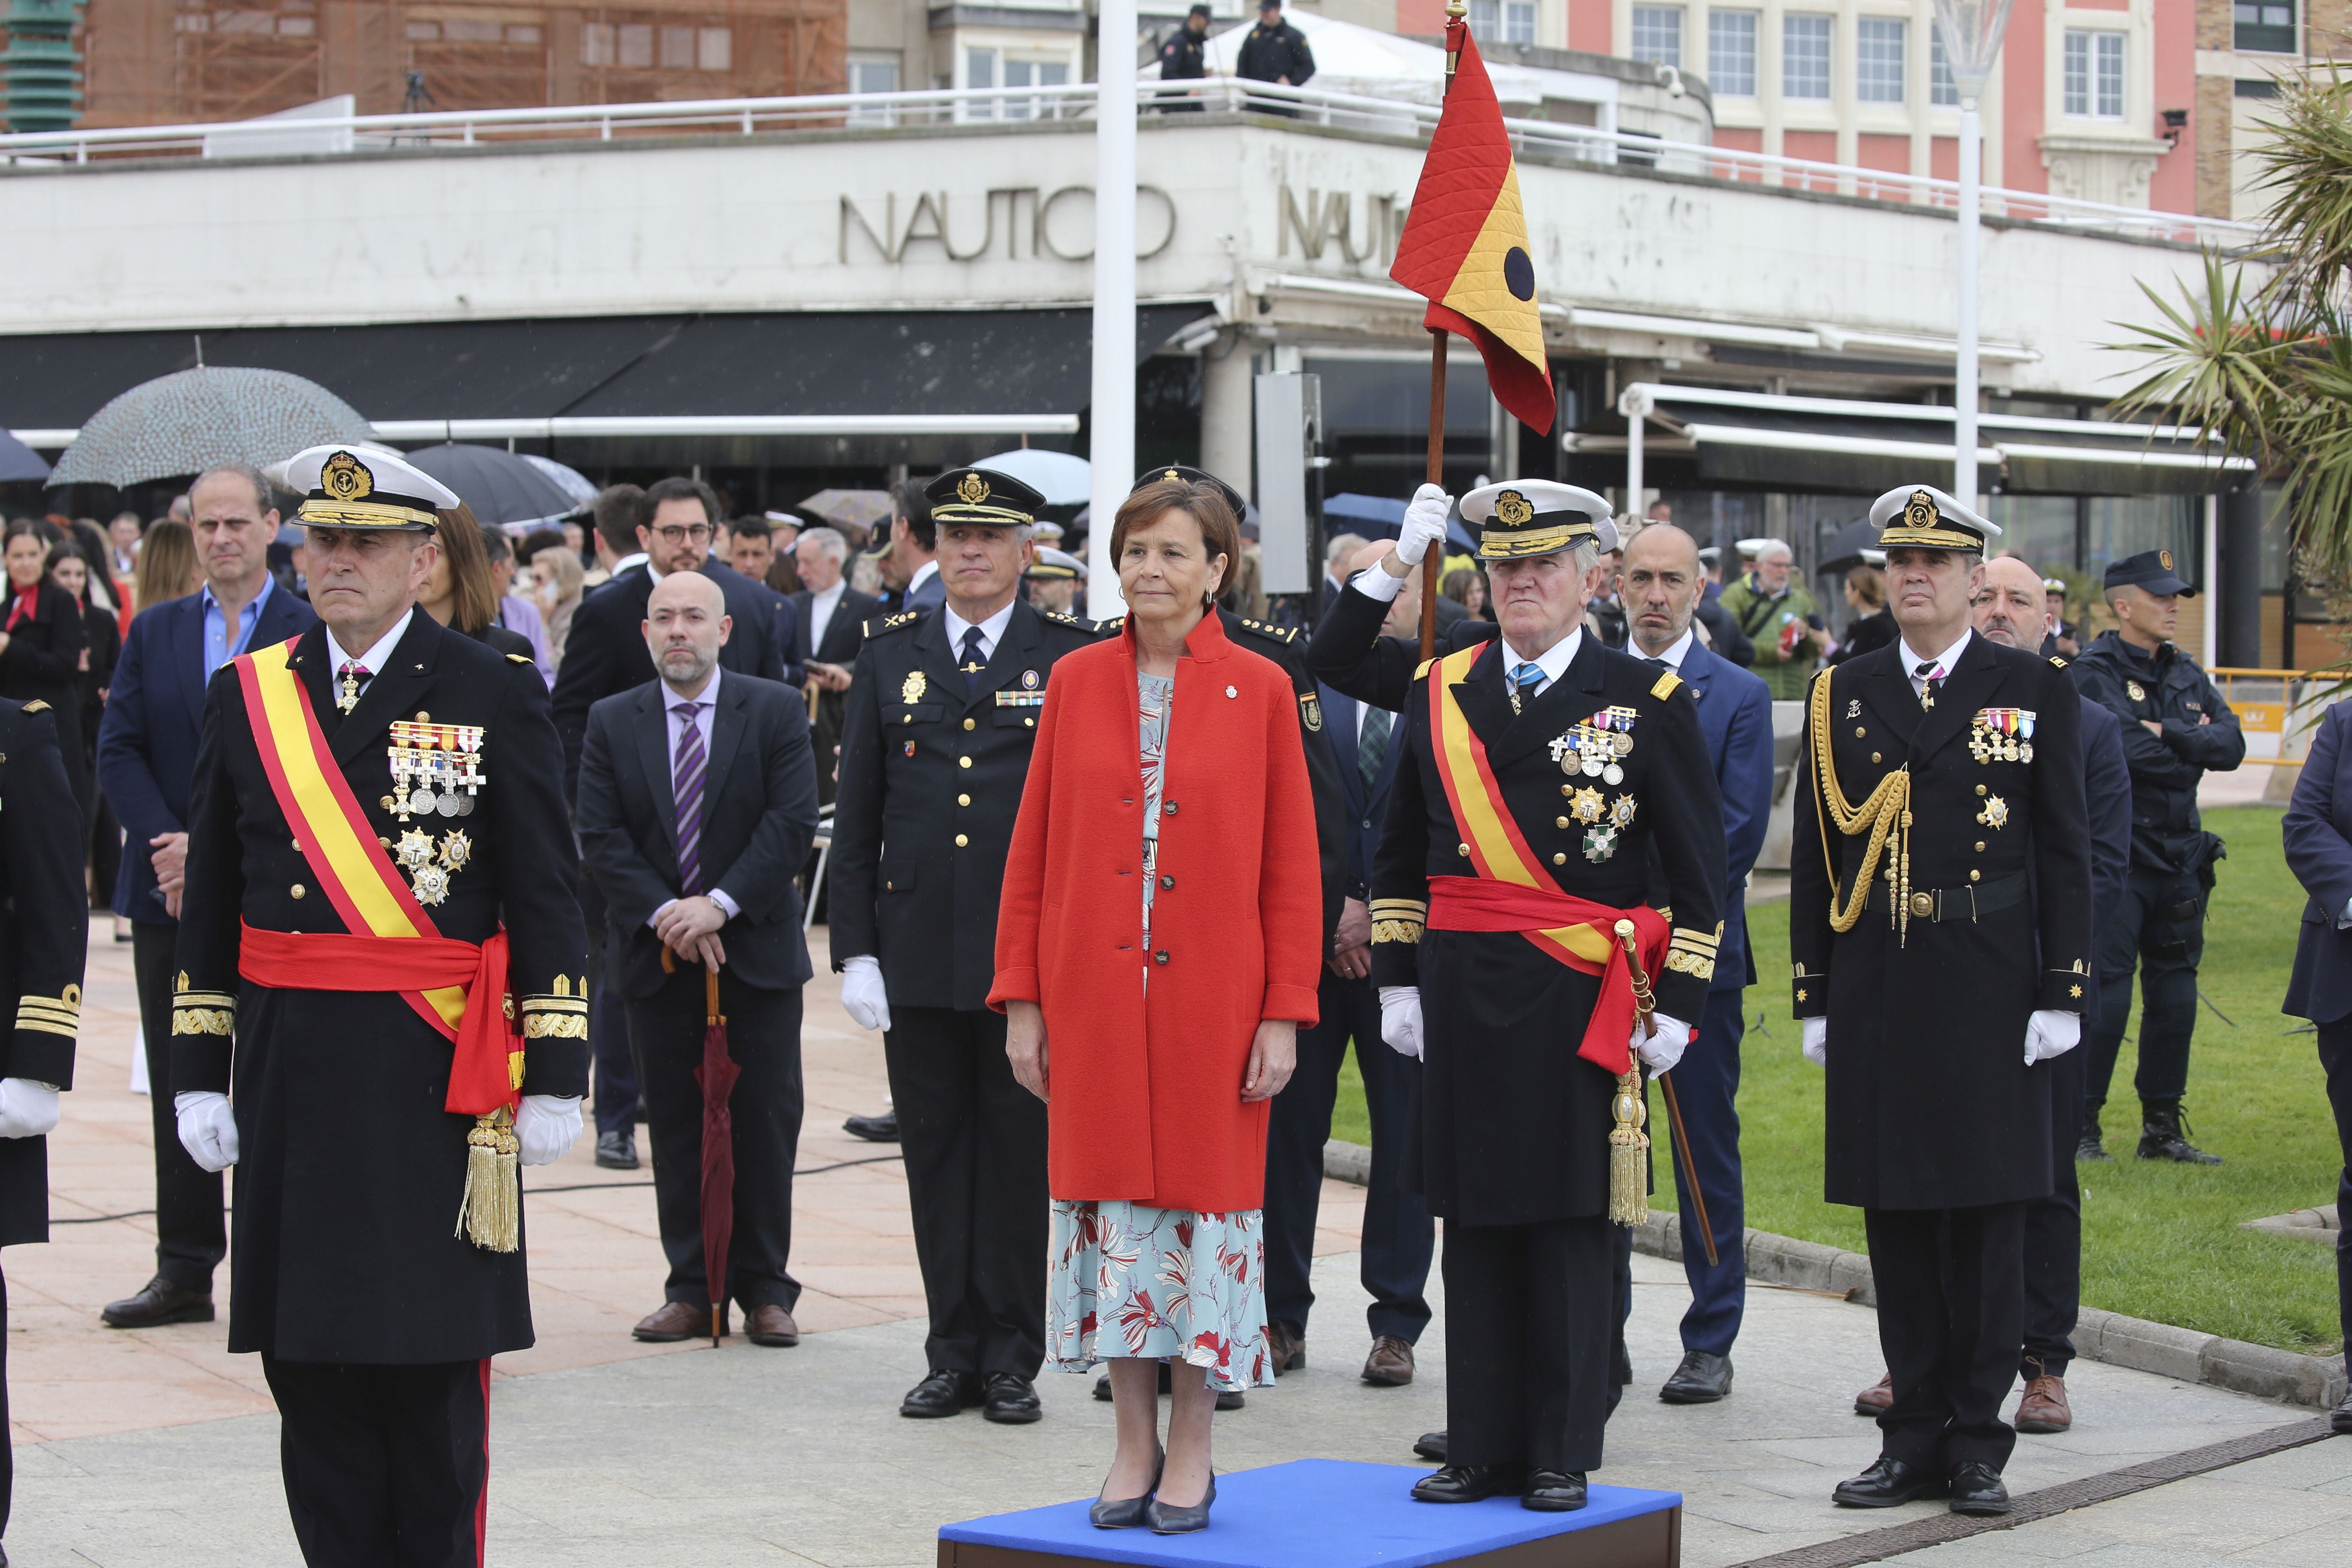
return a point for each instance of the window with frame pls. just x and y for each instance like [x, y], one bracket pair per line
[1503, 21]
[992, 68]
[1731, 53]
[1805, 54]
[1658, 35]
[875, 74]
[2267, 25]
[1878, 47]
[2093, 79]
[1943, 88]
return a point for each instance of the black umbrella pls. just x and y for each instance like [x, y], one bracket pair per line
[18, 462]
[1843, 551]
[498, 485]
[185, 422]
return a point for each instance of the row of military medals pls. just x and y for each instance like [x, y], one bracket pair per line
[2002, 735]
[1594, 750]
[436, 769]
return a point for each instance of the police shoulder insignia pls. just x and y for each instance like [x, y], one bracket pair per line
[37, 706]
[517, 659]
[1310, 710]
[891, 623]
[1666, 684]
[2057, 663]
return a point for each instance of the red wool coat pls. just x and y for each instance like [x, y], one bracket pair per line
[1145, 1094]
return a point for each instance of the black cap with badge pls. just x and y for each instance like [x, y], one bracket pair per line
[1186, 474]
[2150, 571]
[981, 496]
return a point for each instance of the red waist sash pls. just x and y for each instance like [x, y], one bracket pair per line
[1583, 936]
[483, 1074]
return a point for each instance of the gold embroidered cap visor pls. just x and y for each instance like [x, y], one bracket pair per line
[981, 496]
[1524, 517]
[345, 487]
[1921, 516]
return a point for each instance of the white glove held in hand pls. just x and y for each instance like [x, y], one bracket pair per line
[1424, 523]
[1400, 1019]
[207, 1128]
[863, 995]
[546, 1125]
[27, 1108]
[1665, 1047]
[1816, 1041]
[2051, 1034]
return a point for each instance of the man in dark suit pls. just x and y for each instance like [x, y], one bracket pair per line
[697, 804]
[146, 765]
[1398, 1232]
[830, 624]
[2318, 833]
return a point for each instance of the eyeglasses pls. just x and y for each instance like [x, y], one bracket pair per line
[699, 532]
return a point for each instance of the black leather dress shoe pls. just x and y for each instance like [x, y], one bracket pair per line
[2340, 1418]
[1889, 1483]
[159, 1301]
[1121, 1514]
[1466, 1483]
[1431, 1445]
[1230, 1399]
[1702, 1379]
[944, 1393]
[1553, 1492]
[1977, 1491]
[616, 1151]
[1166, 1520]
[1009, 1399]
[882, 1129]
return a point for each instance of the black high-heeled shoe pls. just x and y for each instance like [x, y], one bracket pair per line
[1166, 1520]
[1127, 1513]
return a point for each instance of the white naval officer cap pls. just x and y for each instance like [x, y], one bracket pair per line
[349, 487]
[1923, 517]
[1521, 518]
[1754, 549]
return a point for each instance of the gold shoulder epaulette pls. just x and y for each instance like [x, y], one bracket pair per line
[1278, 633]
[37, 706]
[892, 623]
[1665, 686]
[517, 659]
[2057, 663]
[1116, 624]
[1423, 668]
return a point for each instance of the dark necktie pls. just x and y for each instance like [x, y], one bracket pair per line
[975, 659]
[1372, 746]
[686, 790]
[1656, 663]
[1931, 676]
[355, 676]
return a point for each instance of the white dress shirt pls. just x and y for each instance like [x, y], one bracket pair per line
[639, 558]
[992, 630]
[1554, 660]
[923, 573]
[706, 710]
[1945, 663]
[820, 609]
[376, 657]
[1674, 656]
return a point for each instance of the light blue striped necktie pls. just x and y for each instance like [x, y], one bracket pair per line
[1524, 678]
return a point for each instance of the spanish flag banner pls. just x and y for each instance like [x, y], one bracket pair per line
[1464, 247]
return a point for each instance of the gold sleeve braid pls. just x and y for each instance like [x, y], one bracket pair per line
[1693, 953]
[60, 1014]
[1887, 811]
[1398, 919]
[554, 1017]
[201, 1012]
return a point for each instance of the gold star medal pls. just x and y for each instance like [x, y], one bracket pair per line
[912, 690]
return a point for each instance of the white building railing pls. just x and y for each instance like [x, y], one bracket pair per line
[994, 106]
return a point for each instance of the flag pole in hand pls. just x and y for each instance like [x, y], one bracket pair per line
[1455, 10]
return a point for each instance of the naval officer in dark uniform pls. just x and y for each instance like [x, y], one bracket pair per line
[1541, 773]
[1940, 931]
[378, 857]
[942, 712]
[44, 937]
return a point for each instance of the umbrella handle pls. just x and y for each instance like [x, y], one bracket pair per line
[711, 1014]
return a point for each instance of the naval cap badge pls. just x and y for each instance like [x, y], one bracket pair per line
[345, 478]
[1512, 510]
[972, 488]
[1921, 512]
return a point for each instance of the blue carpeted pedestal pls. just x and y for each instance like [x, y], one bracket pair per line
[1326, 1513]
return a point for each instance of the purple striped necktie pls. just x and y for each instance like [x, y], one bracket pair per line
[686, 789]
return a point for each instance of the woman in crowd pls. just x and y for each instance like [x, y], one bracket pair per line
[459, 593]
[69, 570]
[1872, 628]
[557, 584]
[1466, 586]
[45, 647]
[1157, 952]
[167, 565]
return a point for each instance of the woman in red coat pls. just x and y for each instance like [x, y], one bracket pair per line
[1156, 953]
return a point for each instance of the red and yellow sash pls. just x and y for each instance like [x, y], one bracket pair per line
[392, 943]
[1510, 893]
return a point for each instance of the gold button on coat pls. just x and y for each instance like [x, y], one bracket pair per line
[1974, 876]
[1560, 859]
[1463, 849]
[1979, 845]
[1559, 822]
[971, 723]
[963, 800]
[299, 891]
[961, 841]
[963, 761]
[1874, 756]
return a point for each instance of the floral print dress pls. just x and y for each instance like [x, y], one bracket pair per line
[1129, 1279]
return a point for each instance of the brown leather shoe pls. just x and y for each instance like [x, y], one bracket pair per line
[676, 1321]
[2044, 1408]
[1391, 1363]
[772, 1326]
[1873, 1400]
[1284, 1348]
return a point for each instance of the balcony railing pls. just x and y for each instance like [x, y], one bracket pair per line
[1539, 140]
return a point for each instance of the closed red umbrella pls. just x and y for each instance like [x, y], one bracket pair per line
[717, 1075]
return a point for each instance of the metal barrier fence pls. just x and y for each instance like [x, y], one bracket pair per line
[1542, 139]
[2279, 708]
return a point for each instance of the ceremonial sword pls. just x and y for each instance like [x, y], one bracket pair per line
[1644, 1006]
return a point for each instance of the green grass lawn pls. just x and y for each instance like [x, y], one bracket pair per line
[2159, 1241]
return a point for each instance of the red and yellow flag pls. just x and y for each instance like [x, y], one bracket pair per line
[1464, 247]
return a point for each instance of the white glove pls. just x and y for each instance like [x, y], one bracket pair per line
[546, 1126]
[2047, 1034]
[27, 1108]
[1665, 1047]
[207, 1128]
[863, 995]
[1400, 1019]
[1816, 1041]
[1424, 523]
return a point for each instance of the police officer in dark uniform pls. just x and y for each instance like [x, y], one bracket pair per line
[379, 866]
[2176, 729]
[942, 712]
[1540, 771]
[44, 937]
[1185, 57]
[1939, 933]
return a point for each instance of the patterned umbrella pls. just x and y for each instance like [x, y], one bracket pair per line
[185, 422]
[500, 486]
[854, 508]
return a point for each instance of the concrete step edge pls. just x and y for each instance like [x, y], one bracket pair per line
[2286, 1376]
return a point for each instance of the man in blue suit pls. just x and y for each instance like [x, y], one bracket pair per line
[1663, 582]
[146, 765]
[1398, 1232]
[2318, 833]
